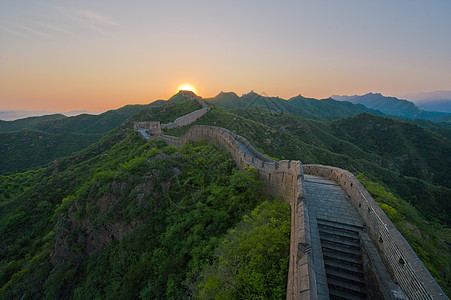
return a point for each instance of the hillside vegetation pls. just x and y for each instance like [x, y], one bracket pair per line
[395, 107]
[327, 109]
[27, 123]
[32, 143]
[382, 148]
[286, 136]
[429, 240]
[25, 150]
[127, 219]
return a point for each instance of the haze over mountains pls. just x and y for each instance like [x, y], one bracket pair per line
[395, 107]
[433, 101]
[11, 115]
[84, 129]
[96, 191]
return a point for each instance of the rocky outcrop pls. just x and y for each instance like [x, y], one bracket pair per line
[93, 222]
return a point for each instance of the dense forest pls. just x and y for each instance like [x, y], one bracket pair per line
[125, 218]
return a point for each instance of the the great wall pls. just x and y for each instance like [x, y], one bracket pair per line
[342, 243]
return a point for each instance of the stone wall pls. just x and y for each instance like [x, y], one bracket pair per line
[399, 258]
[152, 126]
[284, 178]
[281, 178]
[187, 119]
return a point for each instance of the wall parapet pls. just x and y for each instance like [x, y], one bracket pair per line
[400, 259]
[282, 178]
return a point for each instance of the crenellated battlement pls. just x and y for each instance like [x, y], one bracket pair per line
[285, 179]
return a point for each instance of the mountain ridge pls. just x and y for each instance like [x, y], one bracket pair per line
[281, 135]
[325, 109]
[394, 106]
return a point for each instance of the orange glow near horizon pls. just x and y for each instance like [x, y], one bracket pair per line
[60, 56]
[187, 87]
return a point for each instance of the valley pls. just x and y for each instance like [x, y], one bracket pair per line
[109, 173]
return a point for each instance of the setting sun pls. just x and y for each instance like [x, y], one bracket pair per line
[187, 87]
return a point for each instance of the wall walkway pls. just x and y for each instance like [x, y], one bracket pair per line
[401, 261]
[285, 179]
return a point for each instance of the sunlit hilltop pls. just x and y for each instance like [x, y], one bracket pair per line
[187, 87]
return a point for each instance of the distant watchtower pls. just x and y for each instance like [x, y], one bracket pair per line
[152, 127]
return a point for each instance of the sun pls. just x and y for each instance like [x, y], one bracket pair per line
[187, 87]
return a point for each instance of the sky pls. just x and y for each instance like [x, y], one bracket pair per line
[98, 55]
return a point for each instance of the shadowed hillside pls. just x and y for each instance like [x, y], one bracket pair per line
[126, 218]
[286, 136]
[32, 143]
[97, 220]
[327, 109]
[396, 107]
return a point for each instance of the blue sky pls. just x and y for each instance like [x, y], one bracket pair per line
[96, 55]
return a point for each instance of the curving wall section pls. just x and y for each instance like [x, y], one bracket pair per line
[281, 178]
[187, 119]
[399, 258]
[191, 117]
[284, 178]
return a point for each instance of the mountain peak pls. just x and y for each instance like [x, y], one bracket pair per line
[222, 93]
[183, 95]
[251, 94]
[187, 93]
[374, 94]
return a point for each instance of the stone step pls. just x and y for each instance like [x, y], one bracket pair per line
[351, 289]
[341, 231]
[343, 226]
[343, 250]
[337, 255]
[341, 295]
[343, 261]
[344, 268]
[338, 241]
[341, 234]
[349, 277]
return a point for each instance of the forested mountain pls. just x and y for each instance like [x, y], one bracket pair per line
[83, 123]
[415, 195]
[395, 107]
[327, 109]
[27, 123]
[431, 101]
[126, 218]
[34, 142]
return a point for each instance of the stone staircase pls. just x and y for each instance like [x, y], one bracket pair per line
[342, 256]
[325, 252]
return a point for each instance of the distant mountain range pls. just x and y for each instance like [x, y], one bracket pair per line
[326, 109]
[395, 107]
[432, 101]
[33, 142]
[131, 200]
[11, 115]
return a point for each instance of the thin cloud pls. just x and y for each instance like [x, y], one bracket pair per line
[97, 18]
[95, 28]
[33, 31]
[57, 28]
[13, 32]
[93, 20]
